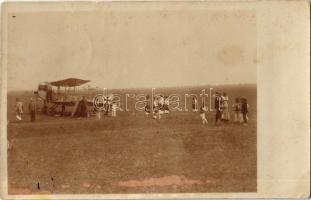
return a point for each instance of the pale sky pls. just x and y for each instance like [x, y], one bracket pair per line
[125, 48]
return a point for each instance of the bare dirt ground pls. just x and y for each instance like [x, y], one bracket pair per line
[132, 153]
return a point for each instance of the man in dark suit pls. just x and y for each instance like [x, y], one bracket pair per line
[32, 109]
[217, 107]
[83, 107]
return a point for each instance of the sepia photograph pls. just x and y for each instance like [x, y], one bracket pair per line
[131, 98]
[132, 102]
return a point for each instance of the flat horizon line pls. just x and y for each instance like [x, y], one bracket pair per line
[167, 87]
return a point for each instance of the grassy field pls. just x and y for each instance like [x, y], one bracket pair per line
[133, 153]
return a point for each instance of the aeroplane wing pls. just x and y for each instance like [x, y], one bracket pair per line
[69, 82]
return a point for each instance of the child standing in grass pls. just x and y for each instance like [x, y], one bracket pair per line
[19, 108]
[202, 115]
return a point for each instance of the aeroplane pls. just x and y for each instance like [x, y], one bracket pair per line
[53, 99]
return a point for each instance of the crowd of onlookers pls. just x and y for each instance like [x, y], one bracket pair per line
[222, 109]
[157, 107]
[160, 105]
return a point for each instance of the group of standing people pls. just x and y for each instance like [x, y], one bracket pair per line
[19, 109]
[240, 108]
[222, 113]
[110, 107]
[160, 106]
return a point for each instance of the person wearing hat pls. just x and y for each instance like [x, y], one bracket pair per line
[195, 104]
[244, 110]
[83, 108]
[114, 108]
[202, 115]
[32, 109]
[156, 108]
[147, 107]
[217, 107]
[225, 106]
[237, 110]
